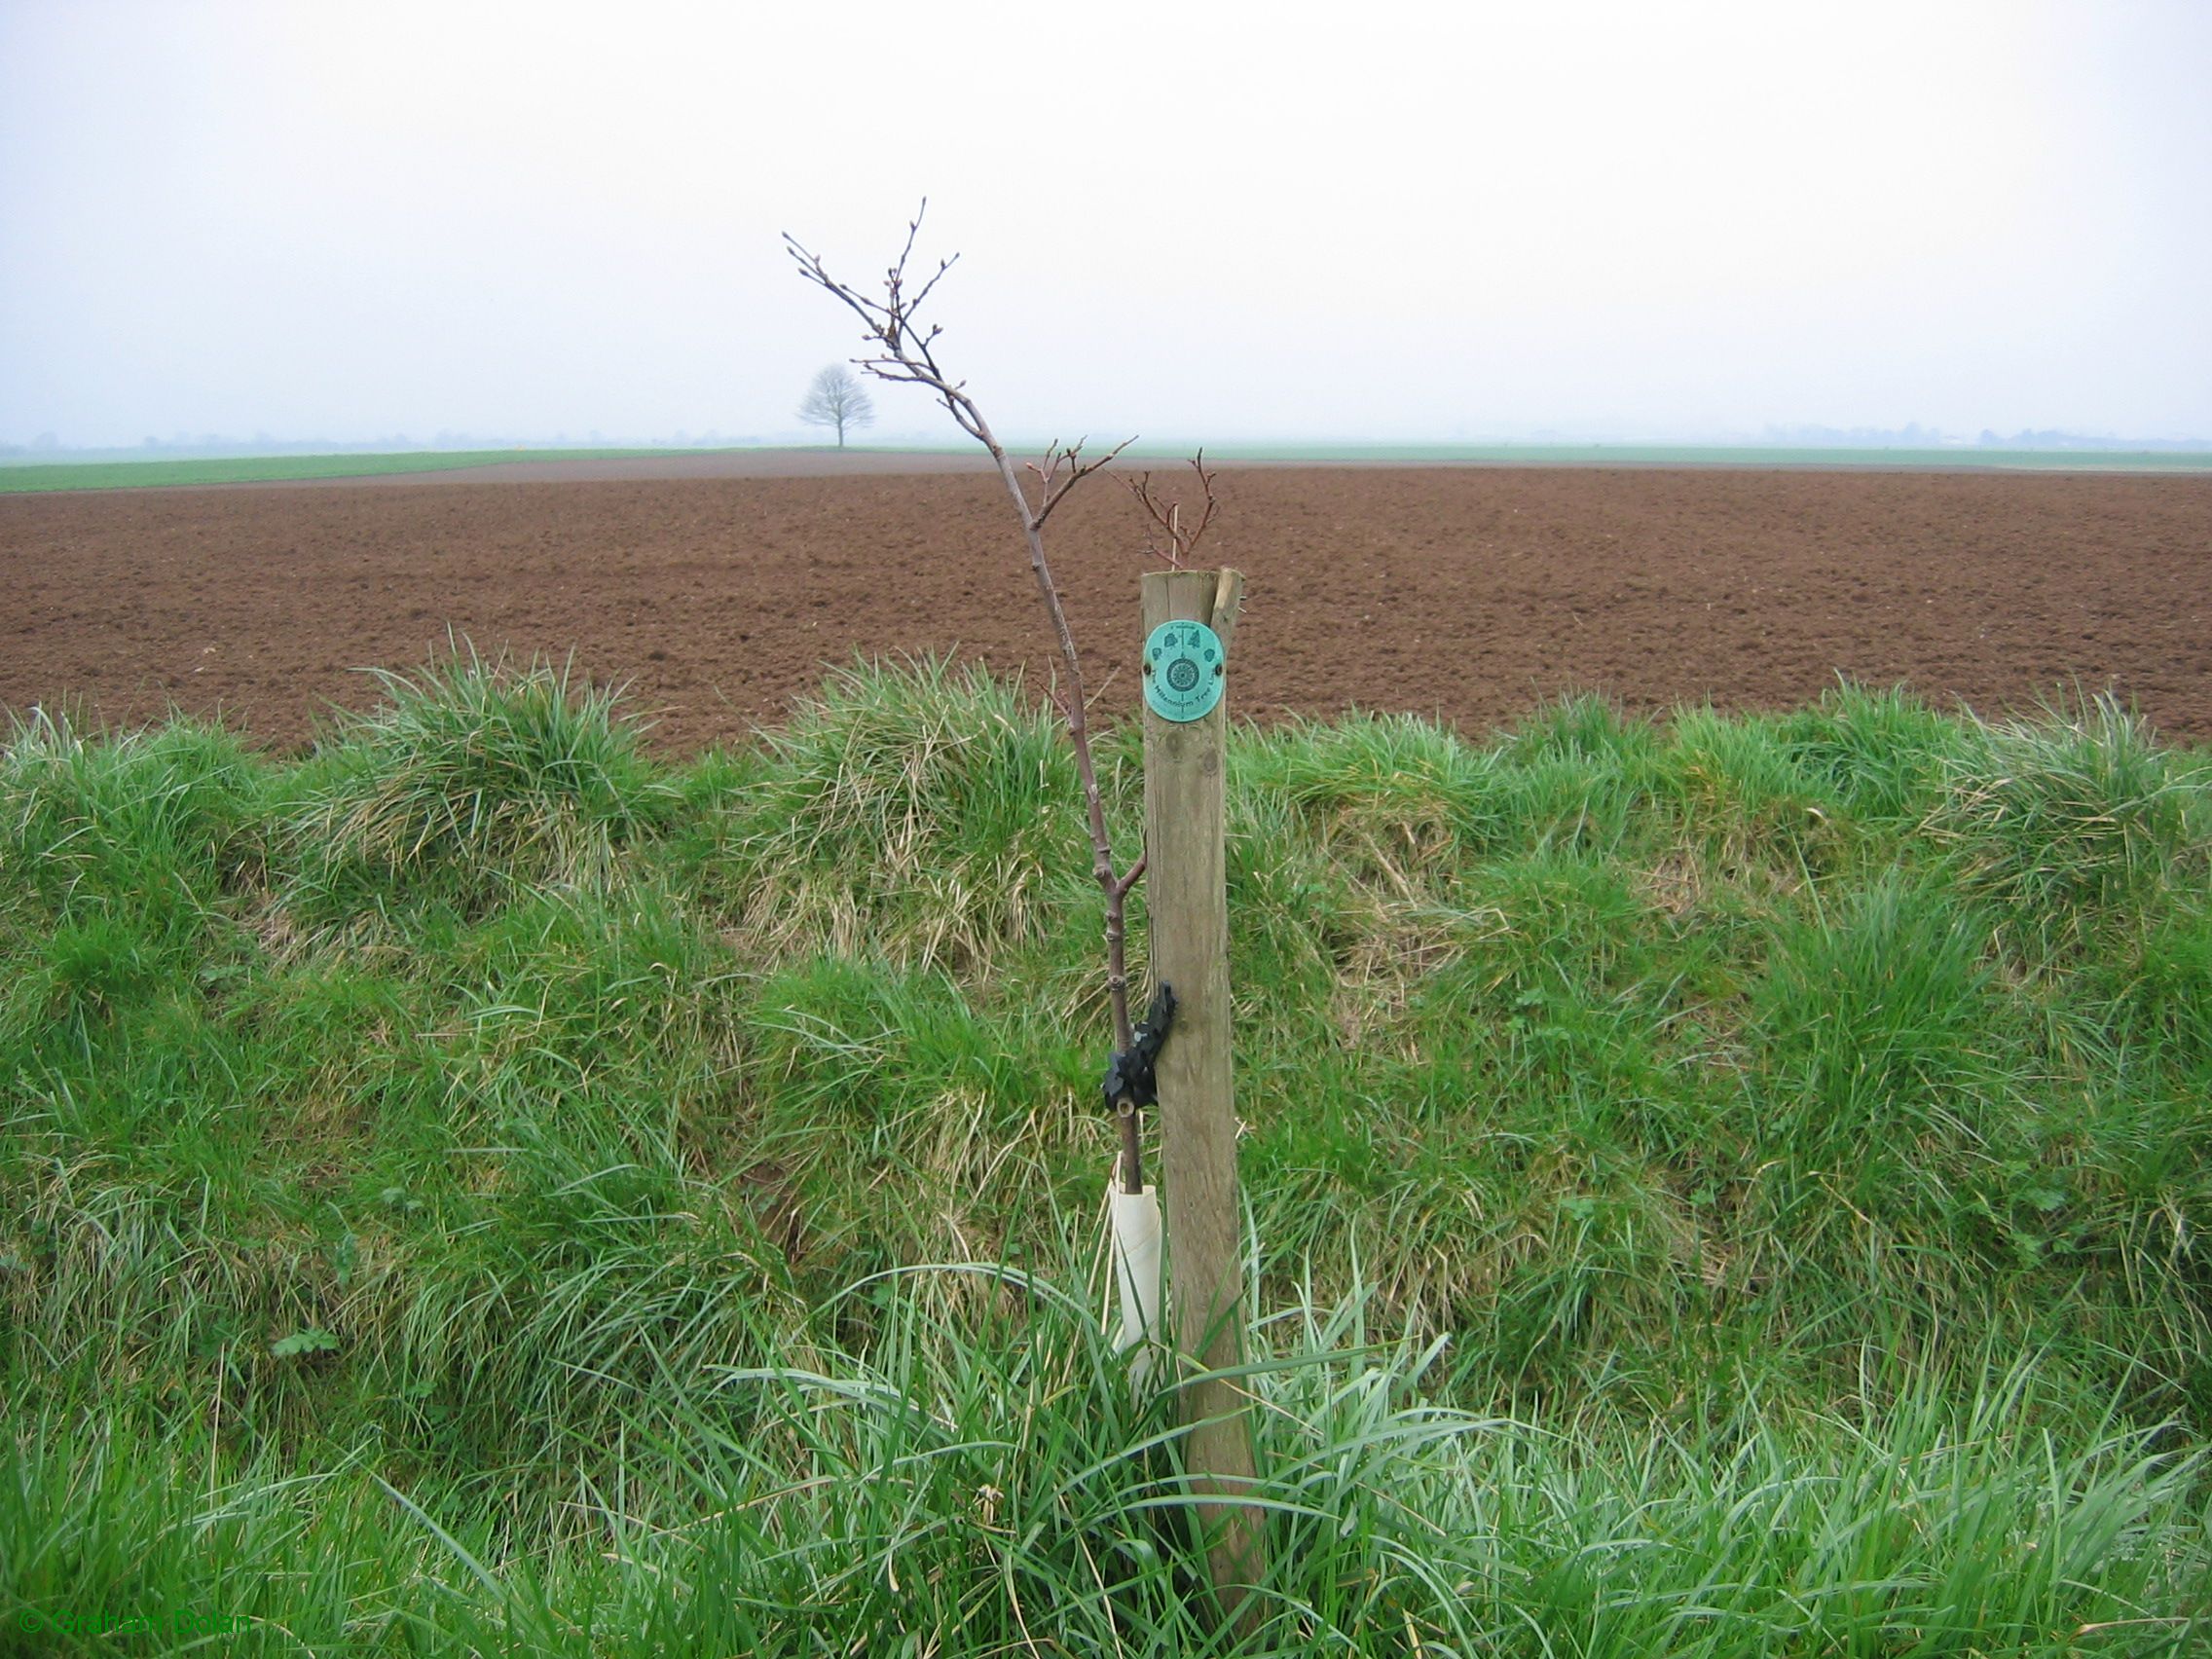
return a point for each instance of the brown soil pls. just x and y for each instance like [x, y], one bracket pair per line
[1467, 593]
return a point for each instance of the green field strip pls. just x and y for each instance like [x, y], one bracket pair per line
[24, 476]
[1693, 455]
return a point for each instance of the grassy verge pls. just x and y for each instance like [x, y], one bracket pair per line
[1734, 1187]
[273, 468]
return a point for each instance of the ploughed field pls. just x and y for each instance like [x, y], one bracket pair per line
[1470, 593]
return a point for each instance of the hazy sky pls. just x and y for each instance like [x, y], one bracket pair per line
[341, 219]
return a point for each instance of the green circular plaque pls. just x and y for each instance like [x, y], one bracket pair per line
[1184, 671]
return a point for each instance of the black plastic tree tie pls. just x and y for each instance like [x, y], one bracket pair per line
[1130, 1082]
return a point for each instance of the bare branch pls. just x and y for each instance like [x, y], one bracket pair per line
[1181, 540]
[1213, 502]
[1140, 487]
[1130, 879]
[1079, 471]
[943, 266]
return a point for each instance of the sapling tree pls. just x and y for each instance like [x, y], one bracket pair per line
[904, 350]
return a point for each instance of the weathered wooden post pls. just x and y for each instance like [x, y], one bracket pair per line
[1189, 618]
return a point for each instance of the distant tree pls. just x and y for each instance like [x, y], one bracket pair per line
[836, 399]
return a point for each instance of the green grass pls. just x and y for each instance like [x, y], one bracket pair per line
[1731, 1186]
[1699, 455]
[21, 476]
[17, 475]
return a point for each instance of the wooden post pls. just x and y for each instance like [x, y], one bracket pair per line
[1187, 899]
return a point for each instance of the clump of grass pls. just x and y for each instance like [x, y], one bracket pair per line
[1883, 752]
[1584, 777]
[1388, 798]
[117, 851]
[84, 815]
[1744, 798]
[471, 782]
[2164, 985]
[2072, 821]
[927, 813]
[1883, 1043]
